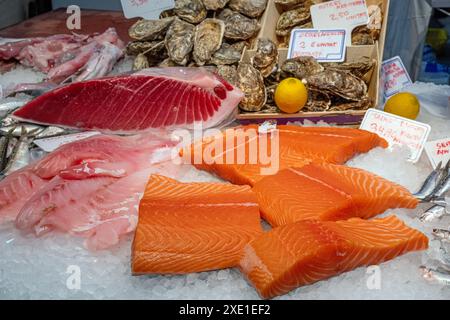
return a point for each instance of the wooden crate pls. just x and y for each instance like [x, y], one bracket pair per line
[349, 117]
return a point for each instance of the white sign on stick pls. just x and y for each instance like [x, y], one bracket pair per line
[326, 45]
[346, 14]
[438, 151]
[398, 131]
[394, 76]
[148, 9]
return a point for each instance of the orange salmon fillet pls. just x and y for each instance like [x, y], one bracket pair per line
[193, 227]
[327, 192]
[305, 252]
[239, 154]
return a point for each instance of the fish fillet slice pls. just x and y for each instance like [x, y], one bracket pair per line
[254, 155]
[193, 227]
[305, 252]
[327, 192]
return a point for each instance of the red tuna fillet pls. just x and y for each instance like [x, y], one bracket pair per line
[151, 98]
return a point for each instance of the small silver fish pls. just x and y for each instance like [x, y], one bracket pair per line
[8, 105]
[50, 132]
[443, 189]
[20, 155]
[430, 184]
[8, 122]
[4, 146]
[442, 234]
[433, 213]
[433, 275]
[17, 129]
[440, 202]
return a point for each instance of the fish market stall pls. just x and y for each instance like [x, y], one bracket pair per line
[115, 180]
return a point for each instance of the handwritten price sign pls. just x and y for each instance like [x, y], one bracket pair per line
[394, 76]
[148, 9]
[438, 150]
[346, 14]
[398, 131]
[327, 45]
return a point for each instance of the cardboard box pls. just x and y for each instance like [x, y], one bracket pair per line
[273, 12]
[348, 117]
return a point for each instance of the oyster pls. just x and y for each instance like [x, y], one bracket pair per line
[291, 19]
[179, 41]
[215, 4]
[227, 54]
[140, 62]
[240, 45]
[361, 36]
[166, 13]
[192, 11]
[149, 30]
[290, 4]
[238, 26]
[339, 83]
[229, 73]
[266, 56]
[361, 69]
[136, 47]
[317, 101]
[251, 8]
[156, 53]
[342, 105]
[167, 63]
[251, 82]
[207, 40]
[301, 67]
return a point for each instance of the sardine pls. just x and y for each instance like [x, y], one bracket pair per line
[433, 275]
[51, 132]
[433, 213]
[17, 129]
[8, 105]
[442, 234]
[8, 122]
[4, 146]
[439, 201]
[430, 184]
[20, 156]
[443, 189]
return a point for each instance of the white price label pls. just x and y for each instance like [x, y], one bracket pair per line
[394, 76]
[438, 150]
[398, 131]
[53, 143]
[345, 14]
[148, 9]
[326, 45]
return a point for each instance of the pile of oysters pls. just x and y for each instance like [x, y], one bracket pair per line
[331, 86]
[197, 33]
[296, 14]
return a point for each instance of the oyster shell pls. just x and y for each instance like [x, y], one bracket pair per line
[227, 54]
[192, 11]
[251, 82]
[240, 45]
[207, 40]
[361, 69]
[301, 67]
[136, 47]
[361, 36]
[291, 19]
[215, 4]
[167, 63]
[229, 73]
[250, 8]
[286, 5]
[150, 30]
[238, 26]
[339, 83]
[317, 101]
[156, 53]
[140, 62]
[266, 56]
[179, 41]
[166, 13]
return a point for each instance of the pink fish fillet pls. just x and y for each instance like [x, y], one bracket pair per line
[15, 190]
[152, 98]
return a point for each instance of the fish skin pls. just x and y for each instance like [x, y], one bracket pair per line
[308, 251]
[433, 275]
[138, 102]
[9, 105]
[436, 212]
[192, 227]
[298, 146]
[327, 192]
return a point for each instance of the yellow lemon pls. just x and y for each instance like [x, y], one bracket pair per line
[291, 95]
[403, 104]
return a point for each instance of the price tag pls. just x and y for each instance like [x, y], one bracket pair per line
[346, 14]
[437, 151]
[326, 45]
[148, 9]
[394, 76]
[51, 144]
[398, 131]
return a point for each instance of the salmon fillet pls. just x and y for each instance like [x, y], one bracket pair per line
[193, 227]
[242, 155]
[305, 252]
[327, 192]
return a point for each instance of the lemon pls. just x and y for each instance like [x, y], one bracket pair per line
[291, 95]
[403, 104]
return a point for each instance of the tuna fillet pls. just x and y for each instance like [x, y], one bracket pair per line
[244, 156]
[151, 98]
[305, 252]
[193, 227]
[327, 192]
